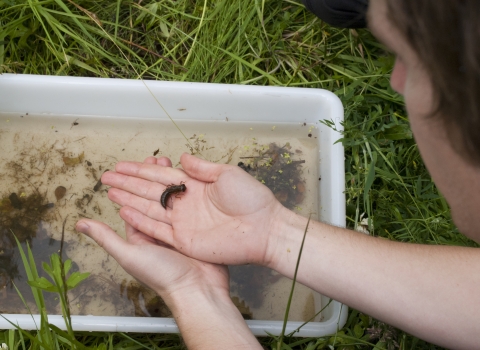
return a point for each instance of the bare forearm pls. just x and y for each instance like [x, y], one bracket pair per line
[211, 322]
[422, 289]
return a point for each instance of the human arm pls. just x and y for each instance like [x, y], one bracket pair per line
[428, 291]
[424, 290]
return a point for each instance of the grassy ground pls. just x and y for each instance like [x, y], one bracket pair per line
[261, 42]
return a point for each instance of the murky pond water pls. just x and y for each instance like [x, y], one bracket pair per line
[50, 169]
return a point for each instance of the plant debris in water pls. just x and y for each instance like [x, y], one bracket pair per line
[21, 214]
[243, 308]
[276, 167]
[146, 302]
[72, 161]
[60, 192]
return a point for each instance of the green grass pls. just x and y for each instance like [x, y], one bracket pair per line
[261, 42]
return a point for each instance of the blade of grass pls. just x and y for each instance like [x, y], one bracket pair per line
[62, 282]
[133, 340]
[310, 319]
[196, 34]
[27, 334]
[31, 271]
[26, 304]
[287, 311]
[2, 48]
[264, 74]
[66, 338]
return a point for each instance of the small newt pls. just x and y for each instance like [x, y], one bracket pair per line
[171, 189]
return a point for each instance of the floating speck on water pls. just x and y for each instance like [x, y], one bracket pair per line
[72, 161]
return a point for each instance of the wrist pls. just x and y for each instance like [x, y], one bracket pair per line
[208, 319]
[285, 240]
[203, 296]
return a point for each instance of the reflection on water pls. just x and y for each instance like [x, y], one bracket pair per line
[12, 271]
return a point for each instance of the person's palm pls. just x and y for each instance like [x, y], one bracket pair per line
[161, 268]
[224, 216]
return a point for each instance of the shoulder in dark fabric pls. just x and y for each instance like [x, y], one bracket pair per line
[340, 13]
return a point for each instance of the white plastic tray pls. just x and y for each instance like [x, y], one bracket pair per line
[71, 96]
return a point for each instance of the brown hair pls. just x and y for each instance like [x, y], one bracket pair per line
[446, 36]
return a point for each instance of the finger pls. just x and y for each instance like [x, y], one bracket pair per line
[150, 208]
[152, 172]
[144, 188]
[153, 228]
[163, 161]
[150, 160]
[104, 236]
[201, 169]
[140, 187]
[136, 237]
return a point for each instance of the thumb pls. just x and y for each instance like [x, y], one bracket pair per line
[201, 169]
[104, 236]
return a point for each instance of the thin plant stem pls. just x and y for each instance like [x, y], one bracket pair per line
[287, 311]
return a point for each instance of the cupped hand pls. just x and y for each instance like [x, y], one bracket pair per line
[169, 273]
[224, 216]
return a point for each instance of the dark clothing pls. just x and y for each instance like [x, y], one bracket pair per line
[340, 13]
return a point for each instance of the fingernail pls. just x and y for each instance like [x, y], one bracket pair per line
[82, 227]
